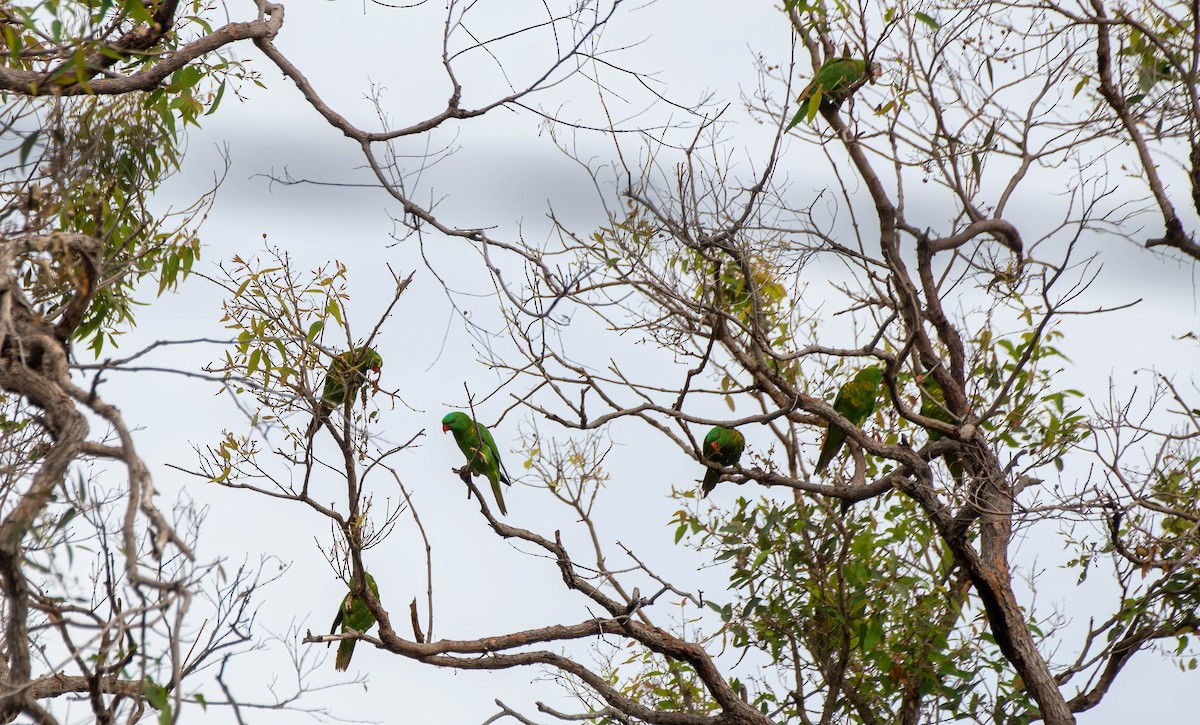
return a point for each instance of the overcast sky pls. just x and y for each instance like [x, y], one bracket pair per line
[504, 174]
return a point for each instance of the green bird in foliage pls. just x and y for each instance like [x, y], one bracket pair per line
[352, 614]
[346, 374]
[933, 405]
[722, 446]
[476, 443]
[828, 87]
[855, 401]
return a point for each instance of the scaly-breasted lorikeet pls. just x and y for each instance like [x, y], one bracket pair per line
[352, 614]
[476, 443]
[347, 372]
[722, 446]
[828, 86]
[855, 401]
[933, 405]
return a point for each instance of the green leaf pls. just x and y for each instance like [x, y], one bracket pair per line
[807, 111]
[27, 146]
[928, 20]
[156, 694]
[814, 104]
[66, 518]
[335, 311]
[186, 77]
[12, 38]
[212, 108]
[137, 11]
[872, 634]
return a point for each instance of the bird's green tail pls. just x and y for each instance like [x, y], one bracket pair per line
[345, 652]
[499, 495]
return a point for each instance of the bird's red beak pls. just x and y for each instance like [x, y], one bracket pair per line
[715, 446]
[445, 427]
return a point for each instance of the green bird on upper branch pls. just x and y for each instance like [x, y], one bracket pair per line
[855, 401]
[346, 374]
[933, 405]
[352, 614]
[722, 446]
[476, 443]
[835, 80]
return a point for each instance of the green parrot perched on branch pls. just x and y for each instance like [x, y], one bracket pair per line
[346, 374]
[476, 443]
[855, 401]
[830, 86]
[722, 446]
[352, 614]
[933, 405]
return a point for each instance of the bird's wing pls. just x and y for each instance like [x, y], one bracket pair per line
[338, 619]
[490, 444]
